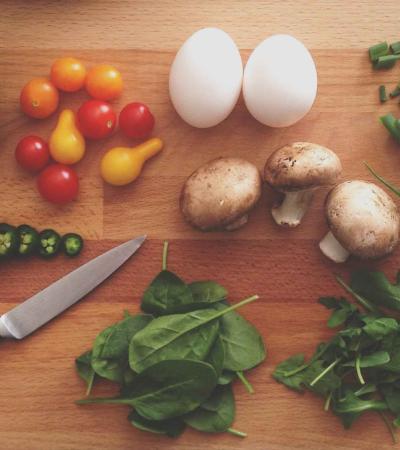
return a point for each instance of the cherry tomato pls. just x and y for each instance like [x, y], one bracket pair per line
[58, 183]
[136, 120]
[104, 82]
[39, 98]
[96, 119]
[68, 74]
[32, 153]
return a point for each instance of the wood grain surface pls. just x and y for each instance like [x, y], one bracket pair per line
[38, 381]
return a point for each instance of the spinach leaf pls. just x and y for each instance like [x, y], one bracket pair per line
[216, 356]
[170, 427]
[167, 389]
[110, 348]
[226, 377]
[372, 360]
[392, 396]
[177, 336]
[85, 369]
[376, 288]
[216, 414]
[206, 292]
[244, 346]
[289, 372]
[166, 294]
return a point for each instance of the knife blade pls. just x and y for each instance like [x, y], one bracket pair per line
[56, 298]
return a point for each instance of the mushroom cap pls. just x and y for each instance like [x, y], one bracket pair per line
[300, 166]
[220, 192]
[363, 218]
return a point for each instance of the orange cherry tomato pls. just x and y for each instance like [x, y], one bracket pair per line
[104, 82]
[39, 98]
[68, 74]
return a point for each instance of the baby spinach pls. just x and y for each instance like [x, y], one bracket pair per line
[171, 366]
[167, 389]
[170, 427]
[216, 414]
[189, 335]
[85, 369]
[110, 348]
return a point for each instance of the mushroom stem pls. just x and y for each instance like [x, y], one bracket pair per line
[333, 249]
[291, 211]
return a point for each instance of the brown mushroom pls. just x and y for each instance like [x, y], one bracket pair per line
[297, 170]
[363, 220]
[220, 194]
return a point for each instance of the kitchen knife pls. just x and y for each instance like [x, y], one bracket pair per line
[53, 300]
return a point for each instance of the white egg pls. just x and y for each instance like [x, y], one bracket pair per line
[206, 78]
[280, 81]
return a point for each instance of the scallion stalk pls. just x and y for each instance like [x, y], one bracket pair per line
[382, 94]
[395, 92]
[386, 62]
[378, 50]
[395, 47]
[391, 124]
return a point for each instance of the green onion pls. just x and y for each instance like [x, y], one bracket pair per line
[386, 62]
[396, 91]
[391, 124]
[378, 50]
[382, 94]
[395, 47]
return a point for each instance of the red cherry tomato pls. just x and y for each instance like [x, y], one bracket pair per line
[136, 120]
[58, 183]
[96, 119]
[32, 153]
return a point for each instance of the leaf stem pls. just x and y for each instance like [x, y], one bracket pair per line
[358, 370]
[237, 432]
[90, 384]
[364, 302]
[304, 366]
[389, 426]
[165, 255]
[325, 371]
[246, 382]
[328, 401]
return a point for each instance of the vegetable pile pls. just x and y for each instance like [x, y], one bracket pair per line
[358, 369]
[175, 364]
[25, 241]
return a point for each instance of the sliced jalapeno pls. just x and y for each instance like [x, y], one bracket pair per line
[72, 244]
[50, 242]
[8, 241]
[29, 240]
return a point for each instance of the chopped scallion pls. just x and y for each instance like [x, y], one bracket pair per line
[391, 124]
[396, 91]
[386, 62]
[395, 47]
[382, 94]
[378, 50]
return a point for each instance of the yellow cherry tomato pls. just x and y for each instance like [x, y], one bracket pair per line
[67, 145]
[104, 82]
[68, 74]
[122, 165]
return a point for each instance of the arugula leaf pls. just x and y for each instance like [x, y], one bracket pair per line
[170, 427]
[372, 360]
[289, 372]
[167, 389]
[110, 348]
[379, 328]
[85, 369]
[351, 404]
[343, 310]
[216, 414]
[391, 394]
[376, 287]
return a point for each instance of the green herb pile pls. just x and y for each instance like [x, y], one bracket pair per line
[176, 363]
[358, 369]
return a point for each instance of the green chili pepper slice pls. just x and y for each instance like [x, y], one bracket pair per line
[50, 242]
[8, 240]
[29, 240]
[72, 244]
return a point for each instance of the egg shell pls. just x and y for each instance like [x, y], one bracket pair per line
[280, 81]
[206, 77]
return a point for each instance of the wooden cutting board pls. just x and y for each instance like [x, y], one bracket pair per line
[38, 381]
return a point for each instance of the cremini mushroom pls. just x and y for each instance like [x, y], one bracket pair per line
[296, 170]
[363, 220]
[220, 194]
